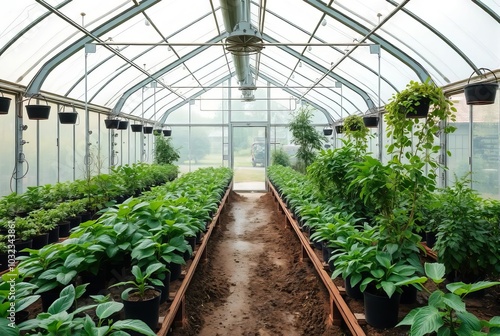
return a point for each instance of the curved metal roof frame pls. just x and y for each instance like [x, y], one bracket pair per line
[404, 56]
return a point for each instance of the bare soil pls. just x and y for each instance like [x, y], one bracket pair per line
[254, 283]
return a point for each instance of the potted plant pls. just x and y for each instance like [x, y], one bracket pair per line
[416, 100]
[38, 111]
[111, 123]
[446, 312]
[4, 104]
[481, 93]
[305, 136]
[141, 300]
[68, 117]
[61, 320]
[136, 127]
[339, 129]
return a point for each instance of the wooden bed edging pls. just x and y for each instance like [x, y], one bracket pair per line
[176, 311]
[337, 302]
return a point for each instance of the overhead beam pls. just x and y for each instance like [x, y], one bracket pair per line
[322, 69]
[42, 74]
[359, 28]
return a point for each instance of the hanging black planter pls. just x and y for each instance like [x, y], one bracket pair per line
[4, 104]
[370, 121]
[136, 127]
[339, 129]
[123, 125]
[111, 123]
[327, 131]
[481, 93]
[167, 132]
[38, 112]
[148, 129]
[68, 117]
[421, 110]
[157, 131]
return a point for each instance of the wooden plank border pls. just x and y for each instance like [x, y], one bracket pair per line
[174, 314]
[338, 306]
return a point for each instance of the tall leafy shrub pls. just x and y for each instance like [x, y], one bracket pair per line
[164, 152]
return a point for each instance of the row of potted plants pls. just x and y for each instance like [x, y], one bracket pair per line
[370, 212]
[61, 213]
[140, 243]
[123, 180]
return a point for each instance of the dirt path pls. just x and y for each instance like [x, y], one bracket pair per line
[254, 283]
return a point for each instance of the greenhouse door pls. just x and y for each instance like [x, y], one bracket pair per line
[249, 156]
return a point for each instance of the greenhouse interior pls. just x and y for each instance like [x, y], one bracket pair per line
[337, 153]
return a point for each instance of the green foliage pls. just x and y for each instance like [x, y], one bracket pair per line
[60, 320]
[446, 312]
[467, 234]
[164, 152]
[356, 131]
[305, 136]
[143, 281]
[280, 157]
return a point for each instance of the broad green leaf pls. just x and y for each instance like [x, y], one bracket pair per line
[454, 302]
[409, 318]
[106, 309]
[25, 302]
[65, 278]
[469, 323]
[64, 302]
[135, 325]
[8, 328]
[435, 271]
[388, 287]
[426, 320]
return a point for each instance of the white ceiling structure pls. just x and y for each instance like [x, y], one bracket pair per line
[317, 51]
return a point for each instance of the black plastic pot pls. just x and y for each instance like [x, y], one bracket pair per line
[167, 132]
[74, 221]
[64, 228]
[4, 105]
[38, 112]
[430, 239]
[54, 235]
[175, 271]
[123, 125]
[370, 121]
[421, 110]
[165, 289]
[381, 311]
[481, 93]
[4, 261]
[136, 128]
[148, 129]
[111, 123]
[157, 131]
[49, 297]
[327, 131]
[146, 311]
[22, 244]
[40, 241]
[409, 295]
[339, 129]
[353, 292]
[68, 117]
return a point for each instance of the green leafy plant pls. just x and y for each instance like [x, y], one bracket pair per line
[142, 282]
[305, 136]
[280, 157]
[61, 321]
[446, 312]
[164, 152]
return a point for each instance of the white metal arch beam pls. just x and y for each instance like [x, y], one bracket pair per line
[119, 105]
[37, 81]
[320, 68]
[386, 45]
